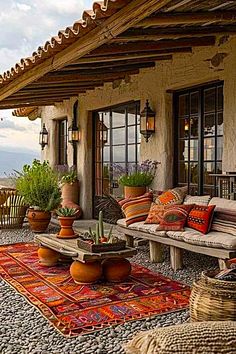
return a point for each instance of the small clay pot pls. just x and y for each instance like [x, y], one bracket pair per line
[86, 273]
[47, 256]
[66, 223]
[132, 192]
[116, 269]
[38, 220]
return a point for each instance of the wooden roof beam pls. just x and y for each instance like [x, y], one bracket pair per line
[163, 19]
[150, 46]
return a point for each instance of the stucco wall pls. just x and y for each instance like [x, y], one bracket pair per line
[184, 70]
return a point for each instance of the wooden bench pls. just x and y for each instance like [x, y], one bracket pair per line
[176, 248]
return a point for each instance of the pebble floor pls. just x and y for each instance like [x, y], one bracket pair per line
[23, 330]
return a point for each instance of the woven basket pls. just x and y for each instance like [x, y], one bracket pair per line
[212, 299]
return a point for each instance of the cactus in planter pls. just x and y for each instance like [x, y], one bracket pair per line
[98, 235]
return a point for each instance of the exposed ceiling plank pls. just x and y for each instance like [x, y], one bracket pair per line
[164, 19]
[125, 18]
[144, 46]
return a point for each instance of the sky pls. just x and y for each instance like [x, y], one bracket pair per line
[25, 25]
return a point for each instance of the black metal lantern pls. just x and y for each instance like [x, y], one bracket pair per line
[103, 132]
[43, 137]
[73, 134]
[147, 122]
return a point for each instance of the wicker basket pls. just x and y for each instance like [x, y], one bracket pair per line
[212, 299]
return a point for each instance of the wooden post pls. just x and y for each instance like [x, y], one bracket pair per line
[176, 258]
[156, 252]
[129, 241]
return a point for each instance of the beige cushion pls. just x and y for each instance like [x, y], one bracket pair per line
[197, 199]
[189, 338]
[223, 203]
[140, 226]
[213, 239]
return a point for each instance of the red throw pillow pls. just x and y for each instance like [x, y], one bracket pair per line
[174, 218]
[137, 209]
[200, 218]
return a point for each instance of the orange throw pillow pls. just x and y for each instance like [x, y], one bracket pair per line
[200, 218]
[155, 212]
[174, 218]
[172, 196]
[137, 209]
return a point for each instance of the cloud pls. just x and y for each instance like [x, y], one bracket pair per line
[9, 124]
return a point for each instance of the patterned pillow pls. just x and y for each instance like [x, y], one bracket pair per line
[224, 221]
[154, 212]
[137, 209]
[197, 199]
[200, 218]
[172, 196]
[174, 218]
[125, 200]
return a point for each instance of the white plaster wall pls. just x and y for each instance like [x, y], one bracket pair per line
[184, 70]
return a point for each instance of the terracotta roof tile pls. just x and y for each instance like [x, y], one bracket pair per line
[90, 18]
[31, 112]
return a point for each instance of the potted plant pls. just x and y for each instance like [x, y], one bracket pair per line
[66, 217]
[39, 186]
[137, 178]
[69, 184]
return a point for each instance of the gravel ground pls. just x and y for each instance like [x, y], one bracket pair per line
[24, 330]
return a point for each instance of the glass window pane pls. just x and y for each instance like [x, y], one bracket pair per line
[194, 127]
[209, 124]
[209, 190]
[118, 136]
[106, 153]
[131, 118]
[183, 105]
[194, 102]
[209, 167]
[220, 97]
[131, 153]
[209, 100]
[183, 172]
[220, 124]
[219, 148]
[131, 134]
[193, 173]
[183, 150]
[138, 152]
[119, 153]
[193, 150]
[184, 128]
[118, 118]
[219, 167]
[209, 149]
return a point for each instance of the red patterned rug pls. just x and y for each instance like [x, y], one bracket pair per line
[79, 309]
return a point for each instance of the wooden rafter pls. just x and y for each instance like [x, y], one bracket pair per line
[164, 19]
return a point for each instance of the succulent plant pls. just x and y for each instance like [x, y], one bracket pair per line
[98, 235]
[66, 211]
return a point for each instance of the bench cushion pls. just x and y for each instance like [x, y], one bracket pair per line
[197, 199]
[213, 239]
[141, 226]
[222, 203]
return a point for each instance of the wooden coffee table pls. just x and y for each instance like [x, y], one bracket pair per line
[87, 267]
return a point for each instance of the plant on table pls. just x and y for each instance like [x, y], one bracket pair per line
[98, 236]
[66, 217]
[137, 177]
[39, 186]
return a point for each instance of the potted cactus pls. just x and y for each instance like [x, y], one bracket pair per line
[66, 217]
[98, 240]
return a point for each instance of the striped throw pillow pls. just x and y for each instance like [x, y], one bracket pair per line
[137, 209]
[224, 221]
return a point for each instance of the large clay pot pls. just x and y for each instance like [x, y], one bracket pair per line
[48, 257]
[70, 191]
[66, 223]
[86, 272]
[116, 269]
[38, 220]
[132, 192]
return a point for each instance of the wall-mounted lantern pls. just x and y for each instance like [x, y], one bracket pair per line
[73, 134]
[147, 122]
[103, 132]
[43, 137]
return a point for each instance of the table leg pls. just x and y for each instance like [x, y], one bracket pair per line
[47, 256]
[86, 273]
[116, 269]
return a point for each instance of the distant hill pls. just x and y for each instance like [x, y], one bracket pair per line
[13, 160]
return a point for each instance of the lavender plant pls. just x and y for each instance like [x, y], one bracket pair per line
[137, 175]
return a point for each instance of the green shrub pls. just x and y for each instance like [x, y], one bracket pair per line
[39, 186]
[136, 179]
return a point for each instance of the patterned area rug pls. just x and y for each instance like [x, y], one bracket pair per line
[79, 309]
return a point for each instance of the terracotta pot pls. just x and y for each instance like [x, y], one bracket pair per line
[132, 192]
[66, 223]
[86, 272]
[47, 257]
[38, 220]
[69, 204]
[70, 191]
[116, 269]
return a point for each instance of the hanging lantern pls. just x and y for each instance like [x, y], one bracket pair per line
[73, 134]
[43, 137]
[147, 122]
[103, 132]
